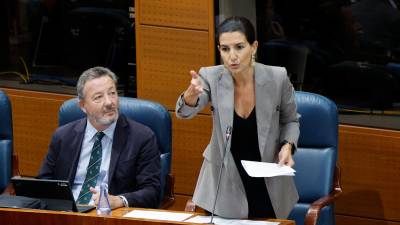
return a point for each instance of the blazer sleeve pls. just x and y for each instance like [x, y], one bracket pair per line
[47, 168]
[289, 118]
[184, 111]
[148, 172]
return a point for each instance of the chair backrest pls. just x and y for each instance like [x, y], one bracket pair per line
[6, 141]
[316, 155]
[151, 114]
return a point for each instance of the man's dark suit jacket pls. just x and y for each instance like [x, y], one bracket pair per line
[134, 170]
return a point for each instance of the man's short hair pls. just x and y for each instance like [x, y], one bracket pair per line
[91, 74]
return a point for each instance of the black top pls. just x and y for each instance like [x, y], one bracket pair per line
[244, 146]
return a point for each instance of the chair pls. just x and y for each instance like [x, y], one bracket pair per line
[318, 176]
[148, 113]
[6, 141]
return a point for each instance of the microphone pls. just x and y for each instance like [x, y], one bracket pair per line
[228, 134]
[101, 177]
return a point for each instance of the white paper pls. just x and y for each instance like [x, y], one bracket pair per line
[263, 169]
[223, 221]
[158, 215]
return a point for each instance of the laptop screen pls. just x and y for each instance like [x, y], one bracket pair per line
[56, 194]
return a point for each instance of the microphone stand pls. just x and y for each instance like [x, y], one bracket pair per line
[228, 134]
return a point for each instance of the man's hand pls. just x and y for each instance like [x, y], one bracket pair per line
[115, 201]
[285, 155]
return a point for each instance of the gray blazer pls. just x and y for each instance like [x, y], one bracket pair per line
[277, 120]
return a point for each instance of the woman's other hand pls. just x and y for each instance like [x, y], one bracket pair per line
[194, 90]
[285, 155]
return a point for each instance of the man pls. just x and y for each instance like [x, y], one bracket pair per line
[123, 151]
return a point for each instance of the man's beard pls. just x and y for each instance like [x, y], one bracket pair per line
[105, 121]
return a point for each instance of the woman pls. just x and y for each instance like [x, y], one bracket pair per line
[257, 101]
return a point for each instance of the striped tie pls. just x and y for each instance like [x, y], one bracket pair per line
[93, 170]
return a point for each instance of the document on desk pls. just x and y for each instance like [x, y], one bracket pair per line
[158, 215]
[263, 169]
[222, 221]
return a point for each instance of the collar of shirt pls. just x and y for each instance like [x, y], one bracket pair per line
[91, 131]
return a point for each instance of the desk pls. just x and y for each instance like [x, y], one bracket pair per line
[44, 217]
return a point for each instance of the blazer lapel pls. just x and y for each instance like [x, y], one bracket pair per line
[225, 104]
[117, 145]
[264, 103]
[79, 133]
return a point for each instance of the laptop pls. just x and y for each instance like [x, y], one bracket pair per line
[56, 194]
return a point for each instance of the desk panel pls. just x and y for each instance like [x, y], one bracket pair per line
[44, 217]
[353, 220]
[370, 164]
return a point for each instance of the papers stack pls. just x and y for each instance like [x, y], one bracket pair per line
[263, 169]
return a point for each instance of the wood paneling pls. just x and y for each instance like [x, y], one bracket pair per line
[190, 138]
[180, 202]
[370, 162]
[190, 14]
[172, 38]
[351, 220]
[34, 121]
[165, 57]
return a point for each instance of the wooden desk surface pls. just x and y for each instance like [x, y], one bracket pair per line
[44, 217]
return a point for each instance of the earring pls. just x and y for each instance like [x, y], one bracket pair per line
[253, 59]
